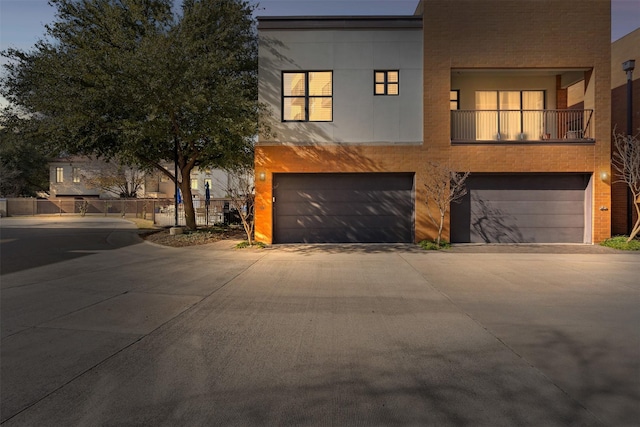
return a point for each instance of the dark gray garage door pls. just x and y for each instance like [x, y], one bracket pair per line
[522, 208]
[343, 208]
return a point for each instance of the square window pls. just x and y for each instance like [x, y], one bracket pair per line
[307, 96]
[386, 82]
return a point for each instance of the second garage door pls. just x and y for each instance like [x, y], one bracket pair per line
[522, 208]
[343, 208]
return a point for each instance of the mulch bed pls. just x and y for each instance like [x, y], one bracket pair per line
[201, 236]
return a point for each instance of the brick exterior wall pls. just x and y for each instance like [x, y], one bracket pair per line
[624, 49]
[619, 217]
[534, 34]
[464, 34]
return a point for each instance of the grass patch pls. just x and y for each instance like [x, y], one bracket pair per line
[144, 224]
[245, 244]
[620, 242]
[430, 245]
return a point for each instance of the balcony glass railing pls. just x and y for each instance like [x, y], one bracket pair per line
[521, 125]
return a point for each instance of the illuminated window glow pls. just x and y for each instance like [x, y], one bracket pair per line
[75, 174]
[307, 96]
[509, 114]
[386, 82]
[454, 99]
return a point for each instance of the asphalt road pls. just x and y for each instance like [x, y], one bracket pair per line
[34, 241]
[321, 335]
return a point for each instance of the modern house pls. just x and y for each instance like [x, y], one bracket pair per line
[623, 216]
[362, 105]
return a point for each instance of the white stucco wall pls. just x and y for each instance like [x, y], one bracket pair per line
[352, 55]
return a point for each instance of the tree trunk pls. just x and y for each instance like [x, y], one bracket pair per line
[248, 228]
[636, 227]
[440, 229]
[187, 200]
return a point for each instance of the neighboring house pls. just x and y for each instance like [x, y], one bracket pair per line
[361, 105]
[69, 179]
[160, 186]
[66, 181]
[623, 215]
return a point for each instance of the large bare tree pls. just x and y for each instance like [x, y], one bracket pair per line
[443, 186]
[626, 161]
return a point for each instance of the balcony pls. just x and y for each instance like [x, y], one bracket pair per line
[521, 126]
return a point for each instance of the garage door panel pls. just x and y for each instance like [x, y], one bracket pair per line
[524, 181]
[527, 235]
[530, 195]
[313, 181]
[363, 207]
[342, 235]
[341, 196]
[531, 221]
[342, 208]
[338, 221]
[311, 235]
[493, 208]
[521, 208]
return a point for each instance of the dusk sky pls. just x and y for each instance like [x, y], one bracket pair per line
[22, 21]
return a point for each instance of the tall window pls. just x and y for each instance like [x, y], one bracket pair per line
[509, 114]
[207, 181]
[75, 174]
[454, 99]
[59, 175]
[307, 96]
[386, 82]
[194, 183]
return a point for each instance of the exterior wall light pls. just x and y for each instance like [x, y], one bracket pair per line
[604, 176]
[262, 176]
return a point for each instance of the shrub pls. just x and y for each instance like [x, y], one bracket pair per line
[430, 245]
[246, 244]
[620, 242]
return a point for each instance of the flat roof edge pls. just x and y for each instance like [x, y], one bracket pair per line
[338, 22]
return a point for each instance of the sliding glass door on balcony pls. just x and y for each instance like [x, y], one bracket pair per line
[509, 115]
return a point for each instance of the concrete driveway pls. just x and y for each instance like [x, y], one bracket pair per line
[322, 335]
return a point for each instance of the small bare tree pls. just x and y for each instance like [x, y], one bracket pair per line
[443, 186]
[241, 192]
[626, 161]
